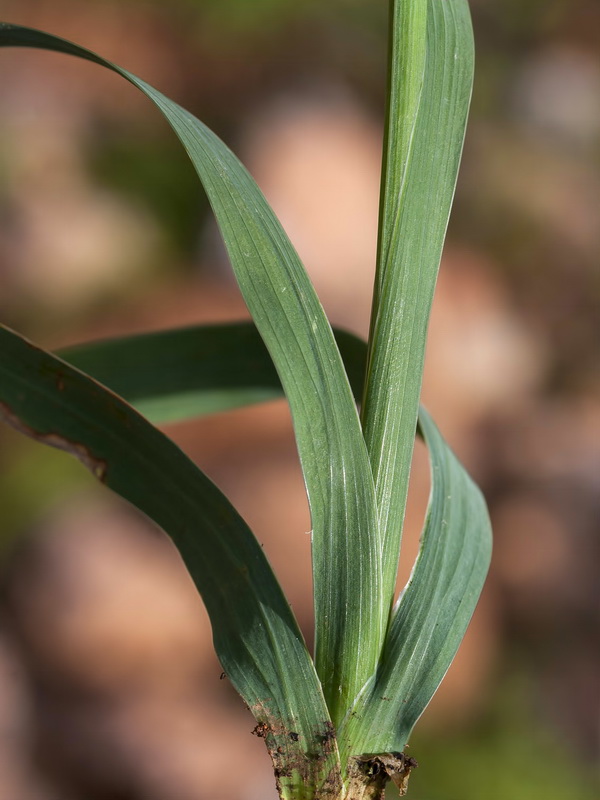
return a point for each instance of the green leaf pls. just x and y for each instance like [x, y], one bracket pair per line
[255, 633]
[433, 612]
[374, 695]
[431, 73]
[350, 615]
[176, 374]
[435, 609]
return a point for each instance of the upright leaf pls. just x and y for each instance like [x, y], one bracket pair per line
[433, 612]
[431, 74]
[350, 615]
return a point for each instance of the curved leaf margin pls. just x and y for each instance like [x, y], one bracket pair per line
[433, 612]
[255, 633]
[351, 614]
[431, 79]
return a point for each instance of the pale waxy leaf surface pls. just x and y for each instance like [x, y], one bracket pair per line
[431, 618]
[255, 633]
[434, 609]
[431, 44]
[415, 658]
[350, 615]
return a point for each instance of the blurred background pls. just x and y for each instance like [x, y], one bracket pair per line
[109, 688]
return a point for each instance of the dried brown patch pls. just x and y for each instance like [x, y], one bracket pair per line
[261, 730]
[373, 773]
[300, 758]
[97, 466]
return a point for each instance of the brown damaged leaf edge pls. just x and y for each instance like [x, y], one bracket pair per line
[97, 466]
[289, 761]
[370, 775]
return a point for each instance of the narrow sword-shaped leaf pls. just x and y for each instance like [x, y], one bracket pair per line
[350, 615]
[255, 633]
[435, 609]
[176, 374]
[433, 612]
[432, 45]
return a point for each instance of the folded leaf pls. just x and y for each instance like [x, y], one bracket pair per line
[433, 612]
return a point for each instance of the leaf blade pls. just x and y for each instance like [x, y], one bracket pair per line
[255, 634]
[434, 609]
[176, 374]
[447, 553]
[425, 134]
[350, 617]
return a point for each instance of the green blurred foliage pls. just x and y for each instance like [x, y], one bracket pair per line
[265, 16]
[156, 174]
[39, 478]
[507, 754]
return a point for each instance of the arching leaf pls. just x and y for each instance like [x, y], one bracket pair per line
[350, 613]
[255, 633]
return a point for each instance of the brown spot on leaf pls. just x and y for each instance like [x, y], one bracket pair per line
[326, 738]
[261, 730]
[299, 757]
[96, 466]
[372, 773]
